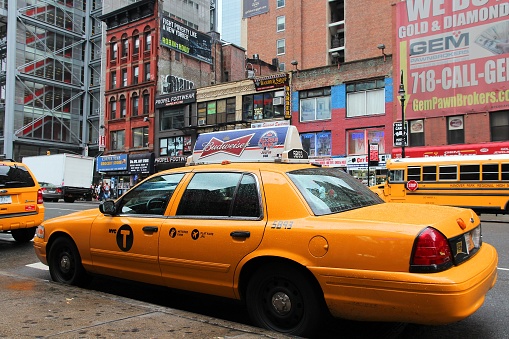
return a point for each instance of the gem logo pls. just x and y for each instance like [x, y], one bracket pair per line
[233, 147]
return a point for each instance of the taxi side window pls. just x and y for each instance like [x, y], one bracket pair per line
[152, 196]
[220, 195]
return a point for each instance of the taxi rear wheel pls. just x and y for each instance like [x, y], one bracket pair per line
[283, 299]
[65, 263]
[23, 234]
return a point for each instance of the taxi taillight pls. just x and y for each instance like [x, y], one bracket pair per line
[431, 252]
[39, 197]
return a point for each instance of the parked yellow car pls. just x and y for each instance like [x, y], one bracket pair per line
[21, 203]
[251, 219]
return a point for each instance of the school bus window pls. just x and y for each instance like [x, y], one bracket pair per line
[396, 176]
[470, 172]
[414, 173]
[490, 172]
[448, 173]
[429, 173]
[505, 172]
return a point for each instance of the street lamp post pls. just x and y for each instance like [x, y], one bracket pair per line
[402, 93]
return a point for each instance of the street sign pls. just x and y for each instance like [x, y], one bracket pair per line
[400, 135]
[412, 185]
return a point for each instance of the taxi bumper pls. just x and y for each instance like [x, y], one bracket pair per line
[40, 250]
[429, 299]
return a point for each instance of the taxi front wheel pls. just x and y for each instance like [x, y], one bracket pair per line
[283, 299]
[65, 263]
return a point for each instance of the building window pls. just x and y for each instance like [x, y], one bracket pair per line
[280, 3]
[171, 119]
[171, 146]
[125, 47]
[230, 109]
[113, 109]
[146, 102]
[315, 104]
[317, 144]
[136, 104]
[148, 42]
[114, 51]
[365, 98]
[416, 132]
[455, 130]
[117, 140]
[259, 106]
[124, 77]
[358, 140]
[280, 23]
[146, 69]
[136, 73]
[136, 45]
[499, 126]
[113, 80]
[123, 106]
[282, 67]
[140, 137]
[280, 46]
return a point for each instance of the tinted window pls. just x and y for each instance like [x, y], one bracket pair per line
[152, 196]
[221, 195]
[490, 172]
[329, 190]
[15, 176]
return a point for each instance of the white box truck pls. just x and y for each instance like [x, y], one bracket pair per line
[72, 174]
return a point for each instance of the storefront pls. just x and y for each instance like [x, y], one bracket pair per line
[114, 172]
[357, 166]
[445, 150]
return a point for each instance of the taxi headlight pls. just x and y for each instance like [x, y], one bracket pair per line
[39, 232]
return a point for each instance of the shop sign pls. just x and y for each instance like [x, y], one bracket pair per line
[361, 161]
[271, 81]
[108, 163]
[141, 163]
[179, 98]
[165, 160]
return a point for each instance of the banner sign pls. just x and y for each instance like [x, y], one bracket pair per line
[454, 55]
[184, 39]
[255, 7]
[107, 163]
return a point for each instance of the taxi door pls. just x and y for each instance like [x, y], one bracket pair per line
[218, 221]
[127, 243]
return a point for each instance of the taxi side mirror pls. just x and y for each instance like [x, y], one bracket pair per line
[108, 207]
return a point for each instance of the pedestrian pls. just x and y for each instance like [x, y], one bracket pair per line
[106, 191]
[101, 191]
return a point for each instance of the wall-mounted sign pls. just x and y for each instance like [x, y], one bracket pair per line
[271, 81]
[141, 163]
[172, 84]
[180, 98]
[255, 7]
[184, 39]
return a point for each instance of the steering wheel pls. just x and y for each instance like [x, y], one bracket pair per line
[155, 203]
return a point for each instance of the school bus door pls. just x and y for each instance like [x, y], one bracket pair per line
[395, 185]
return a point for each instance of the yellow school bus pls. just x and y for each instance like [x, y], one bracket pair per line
[479, 182]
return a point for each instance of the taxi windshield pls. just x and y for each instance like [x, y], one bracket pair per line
[330, 190]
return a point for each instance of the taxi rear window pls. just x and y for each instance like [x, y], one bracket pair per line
[14, 176]
[330, 190]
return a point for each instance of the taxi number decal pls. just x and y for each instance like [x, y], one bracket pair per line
[282, 224]
[125, 237]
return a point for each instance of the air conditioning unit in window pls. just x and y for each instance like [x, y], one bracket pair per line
[201, 122]
[96, 111]
[277, 101]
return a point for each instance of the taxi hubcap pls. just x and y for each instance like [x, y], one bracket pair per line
[65, 263]
[281, 303]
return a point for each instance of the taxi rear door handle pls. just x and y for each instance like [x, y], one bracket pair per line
[150, 229]
[240, 234]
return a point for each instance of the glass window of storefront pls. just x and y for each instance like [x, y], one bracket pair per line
[171, 119]
[317, 144]
[173, 146]
[357, 140]
[260, 106]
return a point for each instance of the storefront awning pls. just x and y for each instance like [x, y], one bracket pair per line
[463, 149]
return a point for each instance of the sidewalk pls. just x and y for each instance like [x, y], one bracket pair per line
[41, 309]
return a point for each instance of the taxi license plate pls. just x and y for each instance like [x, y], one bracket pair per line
[5, 199]
[465, 245]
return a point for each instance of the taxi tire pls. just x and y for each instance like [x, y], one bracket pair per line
[65, 263]
[307, 311]
[23, 234]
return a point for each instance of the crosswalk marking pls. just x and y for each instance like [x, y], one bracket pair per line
[39, 266]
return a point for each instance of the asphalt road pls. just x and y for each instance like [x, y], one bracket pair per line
[490, 321]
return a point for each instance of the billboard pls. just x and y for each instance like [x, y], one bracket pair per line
[186, 40]
[255, 7]
[454, 56]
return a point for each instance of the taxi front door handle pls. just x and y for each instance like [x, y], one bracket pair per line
[150, 229]
[240, 234]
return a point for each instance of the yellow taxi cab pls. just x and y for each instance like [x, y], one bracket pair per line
[21, 203]
[249, 218]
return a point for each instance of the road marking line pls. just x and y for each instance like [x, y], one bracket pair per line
[503, 269]
[39, 266]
